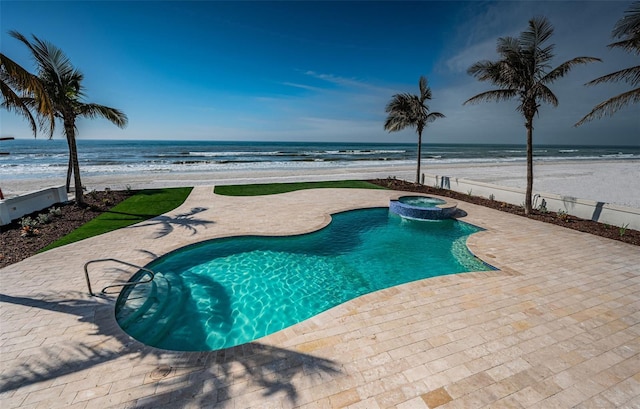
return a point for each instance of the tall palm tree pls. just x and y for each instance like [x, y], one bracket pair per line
[408, 110]
[63, 85]
[524, 72]
[627, 31]
[17, 83]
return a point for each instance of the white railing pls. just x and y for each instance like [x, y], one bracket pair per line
[607, 213]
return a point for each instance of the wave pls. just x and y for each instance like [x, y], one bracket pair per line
[620, 155]
[624, 156]
[299, 153]
[164, 158]
[365, 151]
[231, 153]
[520, 151]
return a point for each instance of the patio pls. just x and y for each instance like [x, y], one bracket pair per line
[558, 326]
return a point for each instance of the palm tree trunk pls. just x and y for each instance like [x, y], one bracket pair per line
[529, 192]
[419, 155]
[69, 128]
[69, 167]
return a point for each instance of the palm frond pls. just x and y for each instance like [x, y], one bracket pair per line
[400, 113]
[507, 46]
[629, 25]
[397, 122]
[113, 115]
[483, 70]
[496, 95]
[55, 70]
[630, 75]
[632, 45]
[13, 102]
[425, 91]
[562, 69]
[16, 75]
[46, 122]
[610, 106]
[539, 31]
[433, 116]
[13, 75]
[543, 93]
[627, 30]
[53, 64]
[398, 103]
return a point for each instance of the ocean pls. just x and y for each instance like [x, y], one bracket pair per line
[41, 158]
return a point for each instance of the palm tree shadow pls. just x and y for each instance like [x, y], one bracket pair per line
[184, 220]
[205, 377]
[62, 359]
[269, 370]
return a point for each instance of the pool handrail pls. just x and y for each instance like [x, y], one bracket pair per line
[146, 270]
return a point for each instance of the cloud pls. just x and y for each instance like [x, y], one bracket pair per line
[302, 86]
[460, 62]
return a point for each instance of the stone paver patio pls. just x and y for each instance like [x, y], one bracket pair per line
[558, 326]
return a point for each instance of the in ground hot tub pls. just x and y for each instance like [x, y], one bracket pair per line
[423, 207]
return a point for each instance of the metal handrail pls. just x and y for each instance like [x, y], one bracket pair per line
[146, 270]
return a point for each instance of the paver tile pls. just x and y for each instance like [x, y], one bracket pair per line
[557, 326]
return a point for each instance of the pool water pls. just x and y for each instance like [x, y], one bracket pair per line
[230, 291]
[421, 201]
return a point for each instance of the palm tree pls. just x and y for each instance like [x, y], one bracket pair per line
[15, 80]
[627, 30]
[524, 72]
[411, 110]
[63, 85]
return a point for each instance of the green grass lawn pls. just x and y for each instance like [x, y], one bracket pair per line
[274, 188]
[147, 204]
[142, 206]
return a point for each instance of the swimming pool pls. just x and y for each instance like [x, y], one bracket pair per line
[226, 292]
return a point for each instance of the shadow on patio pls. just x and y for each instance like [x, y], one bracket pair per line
[175, 378]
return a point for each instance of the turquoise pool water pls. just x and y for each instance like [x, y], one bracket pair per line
[421, 201]
[227, 292]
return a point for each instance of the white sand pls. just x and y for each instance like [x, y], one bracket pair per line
[615, 182]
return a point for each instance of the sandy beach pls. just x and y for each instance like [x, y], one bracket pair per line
[616, 182]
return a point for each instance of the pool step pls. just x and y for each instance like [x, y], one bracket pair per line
[143, 324]
[173, 311]
[149, 314]
[137, 306]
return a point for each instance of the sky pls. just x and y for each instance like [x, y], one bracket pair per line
[317, 71]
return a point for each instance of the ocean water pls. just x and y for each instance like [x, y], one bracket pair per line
[41, 158]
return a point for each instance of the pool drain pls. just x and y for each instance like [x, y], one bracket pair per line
[161, 372]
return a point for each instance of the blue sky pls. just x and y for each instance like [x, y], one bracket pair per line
[316, 71]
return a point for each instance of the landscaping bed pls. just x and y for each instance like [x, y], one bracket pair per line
[561, 219]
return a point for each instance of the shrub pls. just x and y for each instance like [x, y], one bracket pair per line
[43, 218]
[563, 215]
[543, 207]
[623, 229]
[28, 227]
[28, 222]
[55, 212]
